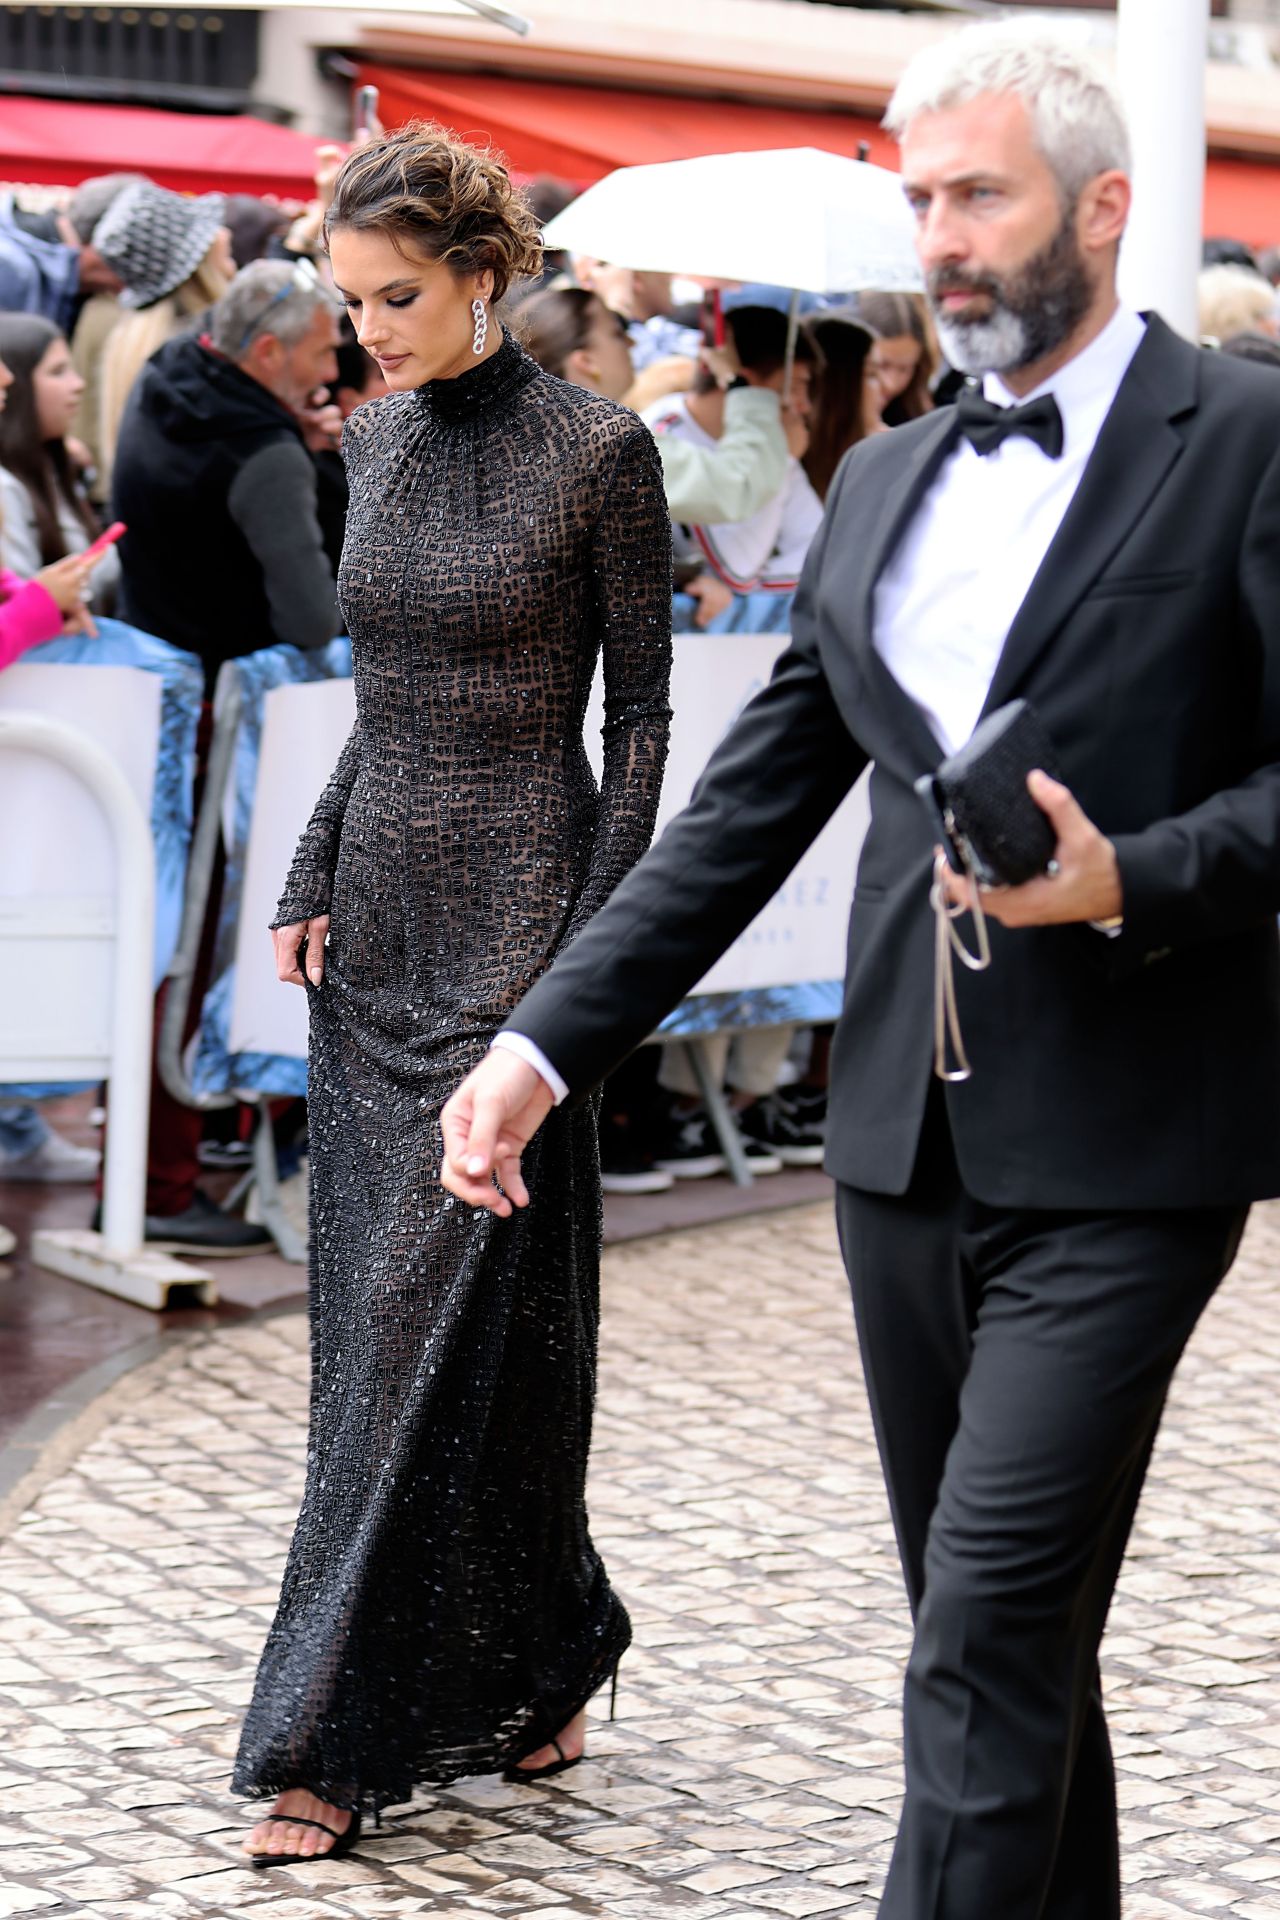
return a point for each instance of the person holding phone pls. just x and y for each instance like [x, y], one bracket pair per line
[45, 514]
[38, 608]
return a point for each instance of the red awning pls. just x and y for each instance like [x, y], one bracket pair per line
[59, 143]
[581, 133]
[1242, 201]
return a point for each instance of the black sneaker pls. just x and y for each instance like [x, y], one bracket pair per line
[625, 1170]
[690, 1150]
[806, 1104]
[761, 1157]
[225, 1156]
[202, 1229]
[783, 1131]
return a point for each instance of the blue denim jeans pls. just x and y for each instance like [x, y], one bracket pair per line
[22, 1129]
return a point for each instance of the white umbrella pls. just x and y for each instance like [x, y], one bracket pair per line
[794, 217]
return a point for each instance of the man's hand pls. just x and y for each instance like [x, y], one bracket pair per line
[487, 1124]
[287, 942]
[1086, 886]
[329, 161]
[722, 363]
[321, 422]
[713, 595]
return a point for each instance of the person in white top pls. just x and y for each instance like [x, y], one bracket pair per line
[44, 511]
[767, 548]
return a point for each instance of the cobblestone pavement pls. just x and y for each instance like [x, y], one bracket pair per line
[754, 1766]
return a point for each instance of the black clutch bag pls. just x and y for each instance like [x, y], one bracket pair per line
[978, 799]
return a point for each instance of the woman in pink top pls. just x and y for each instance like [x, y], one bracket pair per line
[50, 603]
[40, 608]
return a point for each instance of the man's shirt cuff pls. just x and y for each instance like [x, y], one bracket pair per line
[535, 1058]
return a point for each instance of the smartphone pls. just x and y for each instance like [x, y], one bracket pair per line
[366, 112]
[713, 330]
[98, 547]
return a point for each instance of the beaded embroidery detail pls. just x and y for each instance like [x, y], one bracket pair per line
[443, 1608]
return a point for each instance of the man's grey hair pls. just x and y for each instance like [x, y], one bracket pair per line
[1076, 115]
[267, 297]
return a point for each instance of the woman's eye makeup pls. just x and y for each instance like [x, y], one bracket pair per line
[406, 300]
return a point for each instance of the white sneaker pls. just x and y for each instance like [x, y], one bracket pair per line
[54, 1160]
[7, 1243]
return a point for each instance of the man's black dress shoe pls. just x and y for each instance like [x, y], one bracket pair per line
[202, 1228]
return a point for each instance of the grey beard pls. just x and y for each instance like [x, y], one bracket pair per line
[998, 344]
[1035, 308]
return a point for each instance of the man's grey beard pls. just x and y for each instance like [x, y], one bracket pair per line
[995, 345]
[1034, 309]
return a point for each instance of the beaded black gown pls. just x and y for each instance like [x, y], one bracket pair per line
[443, 1610]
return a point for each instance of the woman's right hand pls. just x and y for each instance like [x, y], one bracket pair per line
[287, 942]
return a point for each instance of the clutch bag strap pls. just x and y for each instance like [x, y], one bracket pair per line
[948, 947]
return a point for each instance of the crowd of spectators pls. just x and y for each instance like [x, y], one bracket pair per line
[182, 365]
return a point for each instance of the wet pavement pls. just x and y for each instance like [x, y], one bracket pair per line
[753, 1768]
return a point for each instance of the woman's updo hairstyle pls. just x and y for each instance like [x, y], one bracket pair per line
[436, 196]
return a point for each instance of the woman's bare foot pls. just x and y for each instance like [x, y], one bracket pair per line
[573, 1740]
[278, 1836]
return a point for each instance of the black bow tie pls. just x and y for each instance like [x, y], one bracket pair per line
[985, 425]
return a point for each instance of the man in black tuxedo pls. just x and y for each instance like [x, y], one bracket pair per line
[1097, 530]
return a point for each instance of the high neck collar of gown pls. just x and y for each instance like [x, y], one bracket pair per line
[480, 388]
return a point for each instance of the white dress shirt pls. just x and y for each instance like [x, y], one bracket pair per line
[950, 593]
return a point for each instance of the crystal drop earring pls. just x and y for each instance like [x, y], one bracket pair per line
[481, 320]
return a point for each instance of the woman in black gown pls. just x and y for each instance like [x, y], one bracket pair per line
[443, 1610]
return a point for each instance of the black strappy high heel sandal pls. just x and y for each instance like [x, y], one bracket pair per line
[518, 1774]
[343, 1842]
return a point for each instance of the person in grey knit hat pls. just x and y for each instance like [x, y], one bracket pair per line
[174, 256]
[154, 240]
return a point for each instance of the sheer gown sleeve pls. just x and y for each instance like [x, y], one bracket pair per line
[308, 889]
[631, 557]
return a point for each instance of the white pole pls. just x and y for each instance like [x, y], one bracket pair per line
[1162, 50]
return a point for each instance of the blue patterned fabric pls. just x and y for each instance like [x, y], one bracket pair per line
[215, 1068]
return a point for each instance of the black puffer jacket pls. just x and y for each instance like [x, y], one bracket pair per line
[224, 552]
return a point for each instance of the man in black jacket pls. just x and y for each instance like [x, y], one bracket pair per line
[1097, 530]
[224, 555]
[214, 480]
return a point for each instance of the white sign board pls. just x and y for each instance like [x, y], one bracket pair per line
[58, 868]
[800, 935]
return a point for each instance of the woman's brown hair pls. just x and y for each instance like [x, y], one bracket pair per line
[839, 393]
[43, 466]
[897, 316]
[452, 203]
[555, 324]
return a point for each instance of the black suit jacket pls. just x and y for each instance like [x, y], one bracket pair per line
[1138, 1072]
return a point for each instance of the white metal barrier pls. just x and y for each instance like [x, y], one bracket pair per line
[104, 1021]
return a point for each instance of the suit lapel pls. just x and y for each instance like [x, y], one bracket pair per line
[1135, 450]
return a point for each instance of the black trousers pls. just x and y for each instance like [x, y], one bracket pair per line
[1017, 1365]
